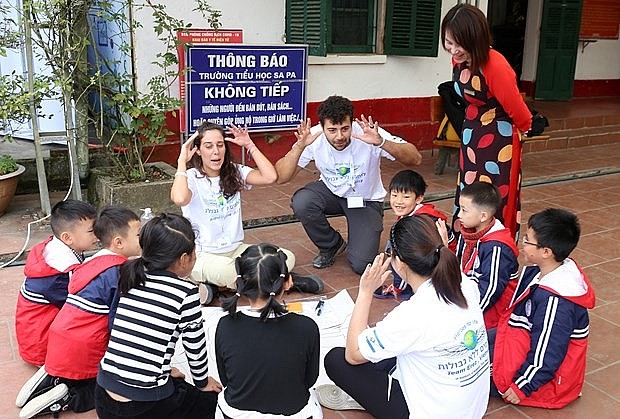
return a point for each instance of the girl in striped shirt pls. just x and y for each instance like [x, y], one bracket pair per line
[157, 306]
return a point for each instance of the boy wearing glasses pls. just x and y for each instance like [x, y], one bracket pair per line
[486, 249]
[541, 340]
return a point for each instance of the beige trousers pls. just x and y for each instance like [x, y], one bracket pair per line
[219, 268]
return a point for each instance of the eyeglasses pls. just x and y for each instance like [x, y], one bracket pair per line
[390, 252]
[538, 246]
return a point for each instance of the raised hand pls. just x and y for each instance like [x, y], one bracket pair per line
[303, 134]
[188, 149]
[370, 130]
[241, 136]
[375, 274]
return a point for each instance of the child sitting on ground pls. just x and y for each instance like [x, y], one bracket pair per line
[407, 189]
[261, 348]
[158, 305]
[541, 340]
[78, 336]
[486, 249]
[44, 290]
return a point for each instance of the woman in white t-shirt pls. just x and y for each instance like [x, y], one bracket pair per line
[429, 356]
[209, 195]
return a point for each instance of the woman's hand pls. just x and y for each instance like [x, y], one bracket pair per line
[303, 134]
[443, 231]
[371, 131]
[241, 136]
[188, 149]
[212, 385]
[176, 373]
[375, 275]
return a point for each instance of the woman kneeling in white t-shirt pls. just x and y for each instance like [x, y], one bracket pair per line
[429, 356]
[209, 195]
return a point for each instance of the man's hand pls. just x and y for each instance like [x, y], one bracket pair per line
[511, 397]
[303, 134]
[371, 131]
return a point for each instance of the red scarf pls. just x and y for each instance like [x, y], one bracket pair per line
[471, 238]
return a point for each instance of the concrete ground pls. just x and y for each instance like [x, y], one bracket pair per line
[585, 180]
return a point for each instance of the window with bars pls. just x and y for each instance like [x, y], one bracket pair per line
[410, 27]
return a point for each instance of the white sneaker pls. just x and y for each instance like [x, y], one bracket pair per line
[333, 397]
[31, 387]
[51, 402]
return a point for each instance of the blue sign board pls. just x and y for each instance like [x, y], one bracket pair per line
[261, 86]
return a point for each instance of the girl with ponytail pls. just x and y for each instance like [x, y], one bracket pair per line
[267, 358]
[429, 356]
[157, 306]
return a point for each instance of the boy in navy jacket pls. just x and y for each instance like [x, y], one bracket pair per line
[47, 269]
[486, 249]
[541, 340]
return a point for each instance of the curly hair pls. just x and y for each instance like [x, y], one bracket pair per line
[336, 109]
[230, 178]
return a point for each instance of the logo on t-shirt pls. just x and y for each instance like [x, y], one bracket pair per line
[470, 339]
[343, 170]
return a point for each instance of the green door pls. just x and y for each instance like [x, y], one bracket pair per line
[557, 55]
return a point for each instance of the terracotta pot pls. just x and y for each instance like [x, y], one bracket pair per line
[8, 185]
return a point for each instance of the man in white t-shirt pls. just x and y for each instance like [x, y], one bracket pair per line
[347, 153]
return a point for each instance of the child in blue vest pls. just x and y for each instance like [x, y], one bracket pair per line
[78, 336]
[540, 346]
[486, 249]
[47, 269]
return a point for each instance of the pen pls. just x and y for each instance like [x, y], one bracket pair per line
[319, 307]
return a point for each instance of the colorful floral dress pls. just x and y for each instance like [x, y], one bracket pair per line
[491, 142]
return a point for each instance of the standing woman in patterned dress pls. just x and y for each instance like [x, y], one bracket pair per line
[496, 113]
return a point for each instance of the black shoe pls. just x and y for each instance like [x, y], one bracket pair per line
[325, 259]
[310, 284]
[39, 383]
[54, 401]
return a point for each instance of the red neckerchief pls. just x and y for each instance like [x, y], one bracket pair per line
[471, 238]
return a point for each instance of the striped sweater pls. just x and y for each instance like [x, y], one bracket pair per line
[149, 320]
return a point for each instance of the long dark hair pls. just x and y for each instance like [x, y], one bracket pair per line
[230, 178]
[416, 242]
[163, 240]
[261, 272]
[469, 29]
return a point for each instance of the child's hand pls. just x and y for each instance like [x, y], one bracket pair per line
[511, 397]
[176, 373]
[212, 385]
[443, 231]
[375, 275]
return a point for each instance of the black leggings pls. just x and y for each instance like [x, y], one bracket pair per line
[368, 384]
[186, 402]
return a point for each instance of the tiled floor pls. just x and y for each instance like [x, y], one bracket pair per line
[594, 196]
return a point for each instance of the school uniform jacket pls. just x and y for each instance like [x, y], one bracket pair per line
[541, 343]
[493, 265]
[79, 334]
[435, 214]
[41, 296]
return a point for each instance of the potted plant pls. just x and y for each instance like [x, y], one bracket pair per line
[9, 175]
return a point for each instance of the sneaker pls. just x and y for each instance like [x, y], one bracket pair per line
[325, 259]
[207, 293]
[39, 383]
[390, 291]
[310, 284]
[53, 401]
[333, 397]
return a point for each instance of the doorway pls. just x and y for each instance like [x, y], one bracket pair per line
[507, 23]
